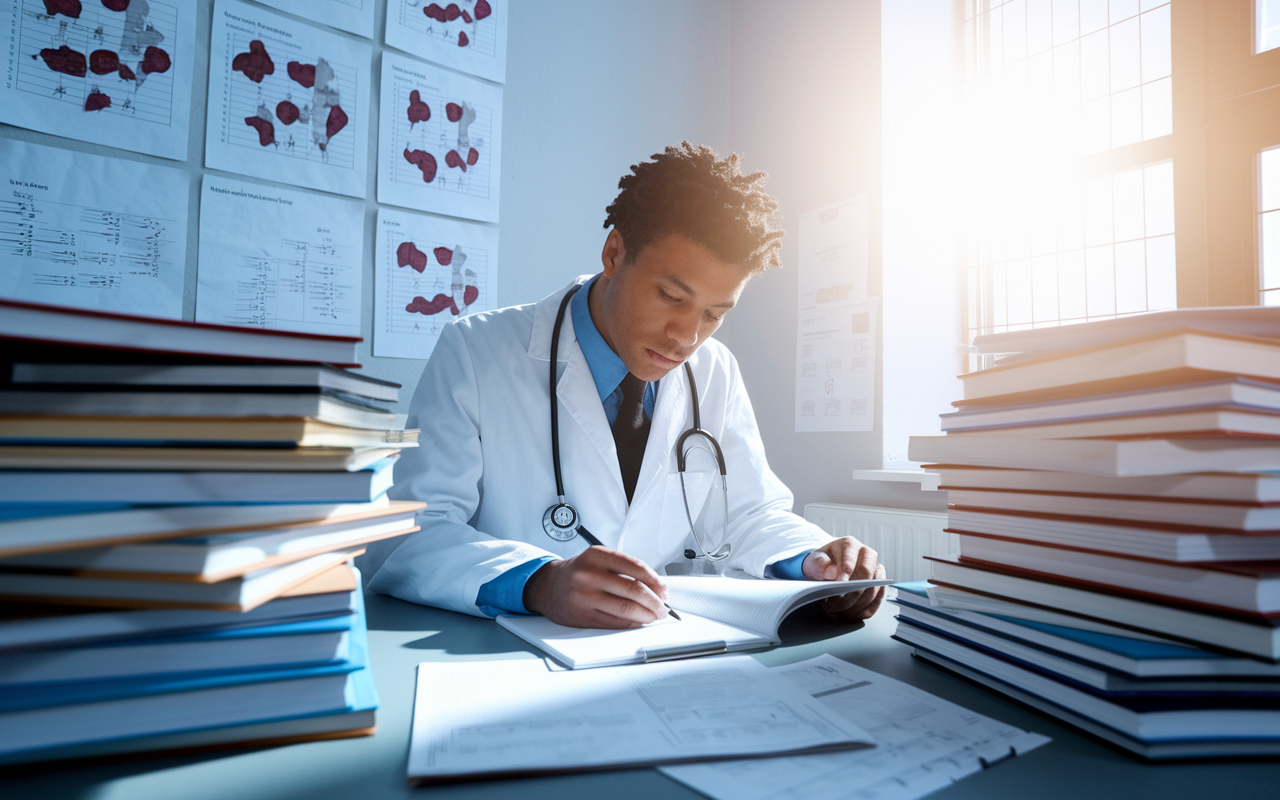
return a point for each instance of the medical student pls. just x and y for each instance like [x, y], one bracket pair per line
[634, 347]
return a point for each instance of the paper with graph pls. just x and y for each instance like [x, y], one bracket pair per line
[116, 74]
[467, 35]
[353, 16]
[439, 140]
[428, 271]
[278, 258]
[288, 102]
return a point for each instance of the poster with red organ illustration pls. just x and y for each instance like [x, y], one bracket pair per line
[439, 140]
[428, 271]
[288, 101]
[353, 16]
[111, 72]
[467, 35]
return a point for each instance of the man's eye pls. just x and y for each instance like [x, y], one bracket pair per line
[667, 297]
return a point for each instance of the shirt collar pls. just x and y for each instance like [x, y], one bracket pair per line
[607, 369]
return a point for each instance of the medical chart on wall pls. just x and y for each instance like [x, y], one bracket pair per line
[111, 73]
[91, 232]
[353, 16]
[439, 140]
[836, 368]
[279, 259]
[467, 35]
[288, 102]
[428, 271]
[833, 253]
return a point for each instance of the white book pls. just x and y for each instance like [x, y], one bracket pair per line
[1111, 457]
[1199, 423]
[502, 719]
[244, 459]
[1243, 487]
[1260, 638]
[1185, 514]
[1130, 540]
[717, 615]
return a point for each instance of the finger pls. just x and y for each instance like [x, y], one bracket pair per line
[635, 607]
[866, 564]
[596, 618]
[848, 560]
[628, 588]
[624, 564]
[865, 606]
[814, 567]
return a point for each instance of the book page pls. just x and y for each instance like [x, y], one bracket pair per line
[750, 603]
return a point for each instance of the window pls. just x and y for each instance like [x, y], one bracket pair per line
[1269, 226]
[1266, 25]
[1072, 216]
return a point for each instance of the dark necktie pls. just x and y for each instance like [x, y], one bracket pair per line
[631, 431]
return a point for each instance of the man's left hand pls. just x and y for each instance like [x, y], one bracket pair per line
[847, 559]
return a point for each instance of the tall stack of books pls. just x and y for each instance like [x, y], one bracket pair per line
[180, 505]
[1116, 491]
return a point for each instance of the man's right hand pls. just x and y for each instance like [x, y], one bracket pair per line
[598, 588]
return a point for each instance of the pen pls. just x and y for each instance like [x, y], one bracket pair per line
[590, 538]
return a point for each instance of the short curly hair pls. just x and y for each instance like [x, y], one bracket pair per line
[689, 190]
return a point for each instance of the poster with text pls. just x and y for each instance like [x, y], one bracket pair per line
[288, 101]
[439, 140]
[110, 73]
[833, 253]
[428, 271]
[353, 16]
[467, 35]
[836, 368]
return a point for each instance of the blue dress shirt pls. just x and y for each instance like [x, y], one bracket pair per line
[504, 595]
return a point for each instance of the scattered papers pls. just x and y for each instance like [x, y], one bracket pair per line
[439, 140]
[468, 35]
[428, 271]
[86, 72]
[923, 743]
[288, 102]
[280, 259]
[91, 232]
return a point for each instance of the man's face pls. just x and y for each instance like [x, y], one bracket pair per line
[656, 307]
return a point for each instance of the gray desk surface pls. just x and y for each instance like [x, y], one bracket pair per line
[402, 634]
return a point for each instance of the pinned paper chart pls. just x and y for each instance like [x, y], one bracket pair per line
[287, 101]
[428, 271]
[111, 73]
[280, 259]
[467, 35]
[439, 140]
[354, 16]
[91, 232]
[836, 368]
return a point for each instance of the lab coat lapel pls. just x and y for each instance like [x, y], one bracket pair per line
[668, 422]
[544, 319]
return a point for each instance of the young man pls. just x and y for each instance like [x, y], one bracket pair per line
[688, 231]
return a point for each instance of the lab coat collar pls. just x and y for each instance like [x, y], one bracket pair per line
[544, 319]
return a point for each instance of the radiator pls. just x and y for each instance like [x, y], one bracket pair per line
[902, 538]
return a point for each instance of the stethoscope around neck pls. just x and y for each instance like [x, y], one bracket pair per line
[562, 521]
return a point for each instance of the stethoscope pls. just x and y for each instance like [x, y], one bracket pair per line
[562, 522]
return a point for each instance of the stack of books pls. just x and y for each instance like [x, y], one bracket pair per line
[1115, 487]
[180, 505]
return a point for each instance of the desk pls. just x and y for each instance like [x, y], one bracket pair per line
[402, 634]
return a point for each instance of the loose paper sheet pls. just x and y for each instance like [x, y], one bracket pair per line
[288, 102]
[119, 78]
[836, 368]
[428, 271]
[91, 232]
[278, 258]
[466, 35]
[439, 140]
[354, 16]
[833, 253]
[923, 743]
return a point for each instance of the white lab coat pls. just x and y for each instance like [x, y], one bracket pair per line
[484, 464]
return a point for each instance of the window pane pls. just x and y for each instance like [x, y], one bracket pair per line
[1126, 117]
[1070, 217]
[1093, 16]
[1269, 179]
[1126, 61]
[1044, 282]
[1127, 197]
[1157, 108]
[1268, 24]
[1270, 225]
[1095, 125]
[1066, 73]
[1100, 281]
[1123, 9]
[1095, 77]
[1158, 198]
[1018, 278]
[1097, 214]
[1071, 285]
[1162, 275]
[995, 21]
[1039, 26]
[1271, 298]
[1015, 31]
[1157, 45]
[999, 296]
[1131, 277]
[1066, 21]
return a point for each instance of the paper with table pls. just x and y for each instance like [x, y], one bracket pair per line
[923, 743]
[509, 718]
[717, 615]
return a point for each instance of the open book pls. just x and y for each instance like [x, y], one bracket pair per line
[717, 615]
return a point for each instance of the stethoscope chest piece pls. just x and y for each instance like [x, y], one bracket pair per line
[560, 522]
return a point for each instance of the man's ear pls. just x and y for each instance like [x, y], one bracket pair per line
[613, 254]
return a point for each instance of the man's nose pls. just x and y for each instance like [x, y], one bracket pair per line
[684, 328]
